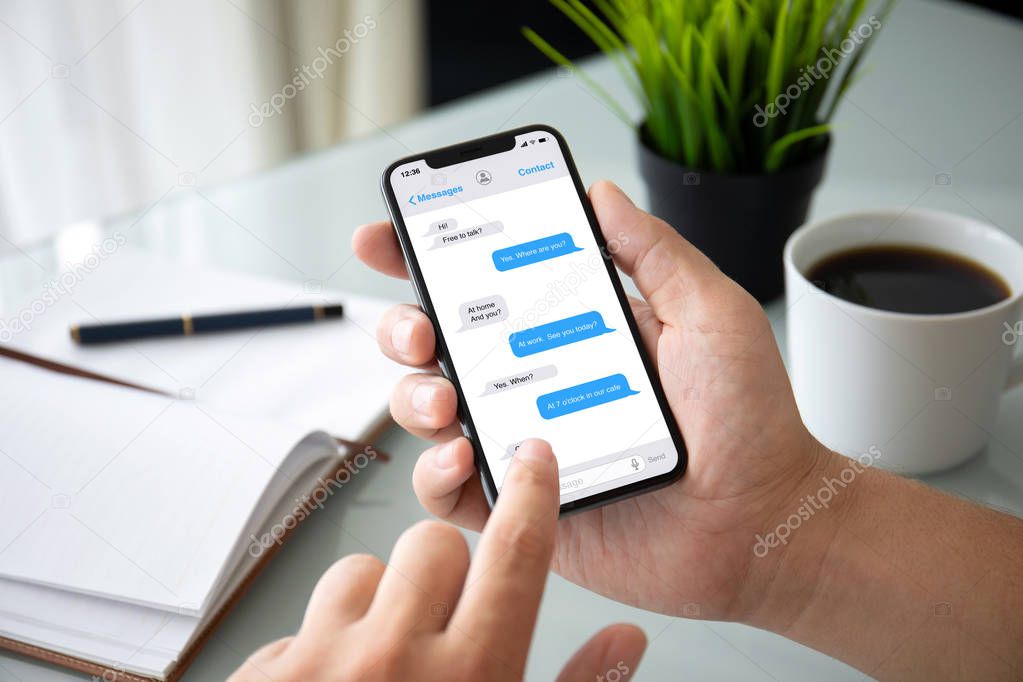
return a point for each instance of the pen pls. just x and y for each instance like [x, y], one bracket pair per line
[187, 325]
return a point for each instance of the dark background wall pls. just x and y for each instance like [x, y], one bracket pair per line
[474, 45]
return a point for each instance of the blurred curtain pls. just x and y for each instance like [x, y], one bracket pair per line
[107, 107]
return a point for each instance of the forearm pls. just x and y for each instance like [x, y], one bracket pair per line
[898, 580]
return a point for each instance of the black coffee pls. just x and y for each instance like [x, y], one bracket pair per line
[908, 279]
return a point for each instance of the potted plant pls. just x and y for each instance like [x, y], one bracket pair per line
[737, 98]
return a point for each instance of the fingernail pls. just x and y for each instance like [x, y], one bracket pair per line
[401, 336]
[535, 452]
[445, 457]
[423, 396]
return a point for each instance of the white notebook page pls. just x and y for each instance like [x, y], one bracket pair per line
[124, 636]
[328, 375]
[125, 494]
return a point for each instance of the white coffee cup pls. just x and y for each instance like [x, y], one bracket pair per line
[923, 390]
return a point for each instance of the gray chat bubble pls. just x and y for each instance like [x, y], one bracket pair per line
[510, 450]
[438, 226]
[468, 234]
[483, 311]
[521, 379]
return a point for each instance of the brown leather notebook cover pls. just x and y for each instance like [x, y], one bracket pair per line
[188, 655]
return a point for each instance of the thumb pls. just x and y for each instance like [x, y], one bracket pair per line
[664, 266]
[617, 648]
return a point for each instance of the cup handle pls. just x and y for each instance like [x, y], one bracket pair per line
[1015, 377]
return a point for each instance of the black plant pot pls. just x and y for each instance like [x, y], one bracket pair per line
[740, 221]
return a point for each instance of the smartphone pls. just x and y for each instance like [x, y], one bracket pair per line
[533, 327]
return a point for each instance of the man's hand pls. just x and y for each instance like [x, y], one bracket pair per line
[431, 615]
[683, 550]
[893, 577]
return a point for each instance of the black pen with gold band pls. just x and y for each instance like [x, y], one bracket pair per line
[186, 325]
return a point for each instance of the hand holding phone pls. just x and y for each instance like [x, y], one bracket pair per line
[685, 549]
[532, 324]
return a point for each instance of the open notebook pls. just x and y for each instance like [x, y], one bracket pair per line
[132, 520]
[328, 375]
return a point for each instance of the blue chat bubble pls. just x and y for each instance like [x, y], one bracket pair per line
[535, 251]
[557, 334]
[584, 396]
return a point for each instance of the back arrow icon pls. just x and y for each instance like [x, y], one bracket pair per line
[410, 199]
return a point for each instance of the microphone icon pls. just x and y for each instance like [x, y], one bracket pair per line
[635, 464]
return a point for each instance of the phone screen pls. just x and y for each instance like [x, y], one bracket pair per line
[533, 325]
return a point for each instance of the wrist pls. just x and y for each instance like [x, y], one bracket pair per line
[790, 551]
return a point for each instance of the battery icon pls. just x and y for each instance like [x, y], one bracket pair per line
[542, 139]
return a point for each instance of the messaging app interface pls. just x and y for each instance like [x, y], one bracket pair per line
[537, 336]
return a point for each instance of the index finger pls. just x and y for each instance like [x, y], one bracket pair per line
[506, 578]
[376, 245]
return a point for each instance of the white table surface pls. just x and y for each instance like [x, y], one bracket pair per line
[941, 95]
